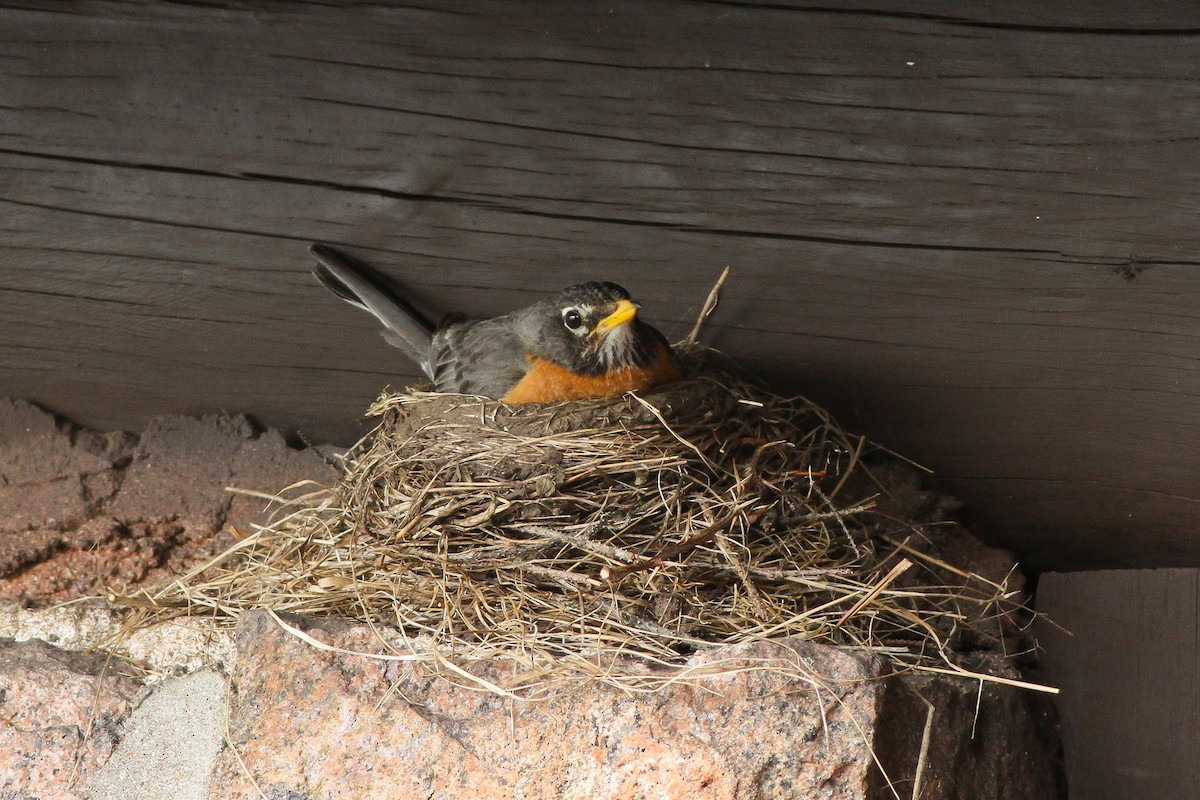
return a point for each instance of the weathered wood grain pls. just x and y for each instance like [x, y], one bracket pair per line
[1123, 648]
[971, 232]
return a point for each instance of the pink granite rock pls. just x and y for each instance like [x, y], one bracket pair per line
[61, 716]
[308, 723]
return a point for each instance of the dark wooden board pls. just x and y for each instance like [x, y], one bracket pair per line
[972, 233]
[1126, 655]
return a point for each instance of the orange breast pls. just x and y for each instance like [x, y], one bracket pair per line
[546, 382]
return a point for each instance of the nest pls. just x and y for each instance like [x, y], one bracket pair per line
[604, 540]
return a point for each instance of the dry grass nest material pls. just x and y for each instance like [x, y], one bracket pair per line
[604, 540]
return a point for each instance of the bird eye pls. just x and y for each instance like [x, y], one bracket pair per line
[572, 318]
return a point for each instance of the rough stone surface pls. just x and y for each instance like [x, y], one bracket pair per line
[169, 648]
[310, 723]
[61, 716]
[82, 511]
[47, 474]
[171, 745]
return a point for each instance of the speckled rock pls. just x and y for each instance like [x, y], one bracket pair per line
[61, 716]
[310, 723]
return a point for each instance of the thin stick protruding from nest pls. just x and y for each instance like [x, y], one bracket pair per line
[922, 762]
[878, 589]
[710, 305]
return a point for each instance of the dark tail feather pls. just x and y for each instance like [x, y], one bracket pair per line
[362, 287]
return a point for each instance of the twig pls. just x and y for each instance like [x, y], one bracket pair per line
[924, 754]
[877, 590]
[667, 553]
[710, 305]
[983, 676]
[599, 548]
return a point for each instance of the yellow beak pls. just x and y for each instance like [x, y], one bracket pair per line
[625, 311]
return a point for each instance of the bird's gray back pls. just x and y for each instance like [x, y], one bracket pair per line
[484, 357]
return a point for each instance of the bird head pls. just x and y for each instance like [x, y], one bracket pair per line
[592, 328]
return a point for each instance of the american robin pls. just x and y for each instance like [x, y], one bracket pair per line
[585, 341]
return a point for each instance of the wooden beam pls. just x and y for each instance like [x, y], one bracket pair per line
[969, 232]
[1123, 647]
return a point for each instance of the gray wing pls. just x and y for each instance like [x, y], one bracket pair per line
[358, 285]
[483, 357]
